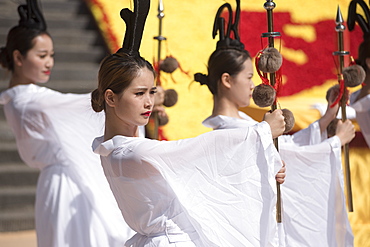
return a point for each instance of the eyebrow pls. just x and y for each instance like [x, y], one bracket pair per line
[145, 88]
[44, 51]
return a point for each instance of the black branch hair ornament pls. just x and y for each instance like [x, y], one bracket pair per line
[354, 17]
[135, 22]
[226, 41]
[355, 74]
[31, 16]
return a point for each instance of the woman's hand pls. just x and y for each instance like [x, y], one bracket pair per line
[276, 122]
[345, 131]
[280, 176]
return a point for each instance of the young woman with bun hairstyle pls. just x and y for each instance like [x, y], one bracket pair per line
[313, 163]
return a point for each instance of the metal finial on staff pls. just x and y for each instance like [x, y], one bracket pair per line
[270, 6]
[160, 38]
[339, 28]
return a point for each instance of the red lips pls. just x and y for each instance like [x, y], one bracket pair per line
[147, 114]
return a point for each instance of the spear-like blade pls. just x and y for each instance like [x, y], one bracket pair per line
[160, 9]
[339, 19]
[339, 28]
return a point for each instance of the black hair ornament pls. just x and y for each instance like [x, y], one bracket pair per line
[354, 74]
[135, 22]
[354, 17]
[31, 16]
[226, 41]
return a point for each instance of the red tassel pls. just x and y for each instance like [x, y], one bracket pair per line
[278, 81]
[262, 75]
[341, 92]
[158, 72]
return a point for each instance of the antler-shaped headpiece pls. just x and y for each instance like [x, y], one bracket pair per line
[135, 22]
[219, 25]
[31, 16]
[354, 17]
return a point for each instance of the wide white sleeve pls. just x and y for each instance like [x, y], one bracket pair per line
[308, 136]
[225, 181]
[53, 127]
[313, 196]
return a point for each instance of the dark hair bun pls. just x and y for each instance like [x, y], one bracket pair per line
[97, 101]
[201, 78]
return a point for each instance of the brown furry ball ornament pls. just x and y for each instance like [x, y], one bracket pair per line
[264, 95]
[162, 120]
[168, 65]
[170, 97]
[333, 92]
[270, 60]
[165, 98]
[289, 120]
[353, 75]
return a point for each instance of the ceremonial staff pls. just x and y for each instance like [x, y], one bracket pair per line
[269, 6]
[339, 28]
[160, 38]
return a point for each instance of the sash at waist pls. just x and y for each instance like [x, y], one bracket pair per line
[172, 232]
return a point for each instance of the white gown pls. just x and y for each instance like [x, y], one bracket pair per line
[314, 212]
[362, 108]
[74, 204]
[217, 189]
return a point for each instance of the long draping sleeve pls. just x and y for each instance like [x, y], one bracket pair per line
[44, 121]
[224, 180]
[313, 199]
[309, 136]
[312, 189]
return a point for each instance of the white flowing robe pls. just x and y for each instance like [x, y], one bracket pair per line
[314, 211]
[217, 189]
[362, 108]
[74, 204]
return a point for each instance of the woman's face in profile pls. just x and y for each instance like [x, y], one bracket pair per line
[242, 85]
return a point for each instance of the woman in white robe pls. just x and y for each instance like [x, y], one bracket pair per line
[74, 204]
[217, 189]
[314, 212]
[360, 100]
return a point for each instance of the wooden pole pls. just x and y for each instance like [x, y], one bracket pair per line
[269, 6]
